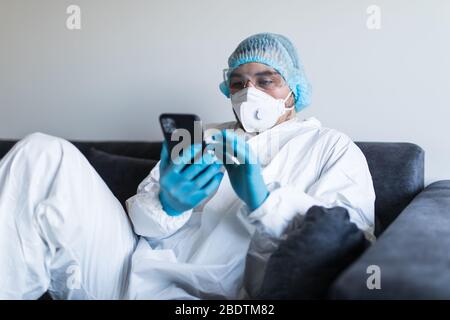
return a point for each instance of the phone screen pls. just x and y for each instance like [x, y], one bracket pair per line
[180, 130]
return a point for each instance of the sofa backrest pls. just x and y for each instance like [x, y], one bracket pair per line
[397, 170]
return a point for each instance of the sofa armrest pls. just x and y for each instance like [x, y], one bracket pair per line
[413, 254]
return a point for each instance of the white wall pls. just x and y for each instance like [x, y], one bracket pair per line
[134, 59]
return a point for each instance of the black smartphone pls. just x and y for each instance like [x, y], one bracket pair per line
[181, 130]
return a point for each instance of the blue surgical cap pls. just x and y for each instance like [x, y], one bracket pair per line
[278, 52]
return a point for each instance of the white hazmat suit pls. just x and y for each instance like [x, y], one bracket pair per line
[57, 216]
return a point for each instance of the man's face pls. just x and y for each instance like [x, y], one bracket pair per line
[261, 77]
[264, 78]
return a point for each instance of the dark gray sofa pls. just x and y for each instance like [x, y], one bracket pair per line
[411, 222]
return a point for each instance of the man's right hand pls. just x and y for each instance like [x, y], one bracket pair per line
[185, 183]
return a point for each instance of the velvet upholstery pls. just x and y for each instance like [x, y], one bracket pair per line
[120, 172]
[397, 171]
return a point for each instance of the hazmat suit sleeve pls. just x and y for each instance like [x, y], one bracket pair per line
[344, 180]
[146, 212]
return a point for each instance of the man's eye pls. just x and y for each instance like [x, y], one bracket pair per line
[265, 82]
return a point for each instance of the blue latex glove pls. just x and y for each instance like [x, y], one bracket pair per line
[182, 185]
[246, 178]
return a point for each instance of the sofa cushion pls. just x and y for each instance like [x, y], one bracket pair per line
[313, 255]
[122, 174]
